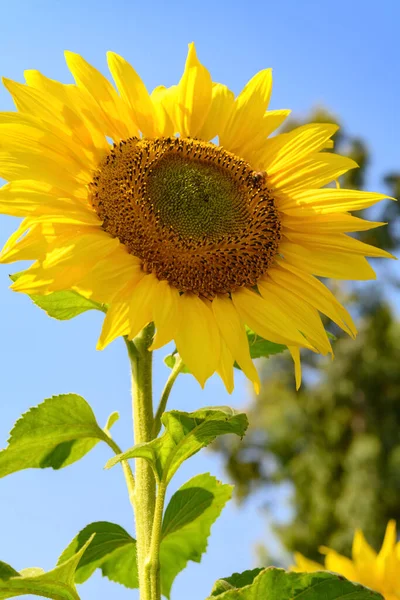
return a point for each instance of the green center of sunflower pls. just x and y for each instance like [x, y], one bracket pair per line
[197, 215]
[196, 199]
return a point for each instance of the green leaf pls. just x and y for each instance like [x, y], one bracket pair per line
[57, 584]
[112, 550]
[6, 571]
[56, 433]
[184, 435]
[237, 580]
[277, 584]
[260, 348]
[170, 361]
[187, 523]
[62, 305]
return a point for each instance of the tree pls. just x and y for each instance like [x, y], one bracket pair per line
[337, 441]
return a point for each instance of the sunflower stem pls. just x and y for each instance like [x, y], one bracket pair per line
[153, 562]
[144, 495]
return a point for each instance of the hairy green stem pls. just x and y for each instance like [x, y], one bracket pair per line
[144, 495]
[153, 561]
[178, 366]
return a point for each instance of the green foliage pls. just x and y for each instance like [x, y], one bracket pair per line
[187, 523]
[235, 581]
[277, 584]
[57, 584]
[112, 550]
[260, 348]
[56, 433]
[184, 435]
[62, 305]
[6, 571]
[337, 441]
[186, 527]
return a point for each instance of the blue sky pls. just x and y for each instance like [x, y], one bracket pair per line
[341, 54]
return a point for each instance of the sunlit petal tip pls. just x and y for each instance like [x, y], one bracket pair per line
[295, 352]
[257, 386]
[390, 539]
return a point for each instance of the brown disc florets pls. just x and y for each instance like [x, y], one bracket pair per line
[197, 215]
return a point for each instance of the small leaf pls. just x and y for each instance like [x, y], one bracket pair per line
[277, 584]
[170, 361]
[6, 571]
[112, 419]
[57, 584]
[187, 523]
[62, 305]
[112, 550]
[184, 435]
[56, 433]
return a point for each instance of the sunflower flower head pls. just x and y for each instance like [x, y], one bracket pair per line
[378, 571]
[177, 207]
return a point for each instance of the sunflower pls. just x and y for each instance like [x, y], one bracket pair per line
[177, 208]
[380, 572]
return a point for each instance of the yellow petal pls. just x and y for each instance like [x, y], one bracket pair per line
[31, 246]
[141, 304]
[225, 368]
[75, 100]
[388, 563]
[340, 243]
[116, 322]
[253, 149]
[221, 108]
[295, 353]
[104, 282]
[287, 149]
[114, 113]
[362, 552]
[164, 103]
[312, 172]
[42, 281]
[86, 247]
[34, 280]
[194, 96]
[310, 289]
[19, 198]
[248, 112]
[234, 334]
[165, 314]
[327, 264]
[340, 564]
[305, 565]
[29, 152]
[197, 337]
[267, 319]
[302, 316]
[326, 223]
[328, 200]
[51, 110]
[134, 93]
[21, 131]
